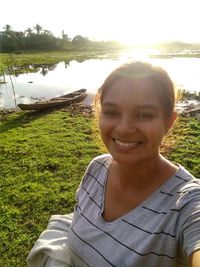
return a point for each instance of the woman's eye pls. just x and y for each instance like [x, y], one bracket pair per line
[145, 115]
[110, 113]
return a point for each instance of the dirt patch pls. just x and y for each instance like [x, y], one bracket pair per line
[85, 110]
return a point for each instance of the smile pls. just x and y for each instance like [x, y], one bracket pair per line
[123, 144]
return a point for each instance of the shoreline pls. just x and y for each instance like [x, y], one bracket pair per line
[87, 108]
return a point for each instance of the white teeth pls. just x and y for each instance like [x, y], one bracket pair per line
[126, 144]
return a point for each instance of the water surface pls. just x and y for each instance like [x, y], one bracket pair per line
[89, 74]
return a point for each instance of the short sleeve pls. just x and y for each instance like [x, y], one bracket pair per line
[86, 177]
[94, 172]
[83, 181]
[189, 221]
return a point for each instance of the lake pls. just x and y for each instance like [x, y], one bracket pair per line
[63, 78]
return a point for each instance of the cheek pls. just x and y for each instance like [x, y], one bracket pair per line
[100, 123]
[155, 132]
[102, 126]
[104, 123]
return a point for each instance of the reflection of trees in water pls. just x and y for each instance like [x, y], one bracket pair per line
[1, 91]
[28, 68]
[67, 63]
[44, 71]
[2, 75]
[41, 68]
[80, 60]
[44, 68]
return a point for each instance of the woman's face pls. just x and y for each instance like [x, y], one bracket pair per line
[132, 122]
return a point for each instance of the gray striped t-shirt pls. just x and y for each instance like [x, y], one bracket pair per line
[161, 232]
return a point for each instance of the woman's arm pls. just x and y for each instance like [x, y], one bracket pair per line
[194, 259]
[51, 249]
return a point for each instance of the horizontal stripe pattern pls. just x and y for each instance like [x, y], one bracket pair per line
[123, 244]
[149, 233]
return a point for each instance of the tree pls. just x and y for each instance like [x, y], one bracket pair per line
[79, 40]
[47, 32]
[65, 37]
[7, 28]
[8, 39]
[28, 32]
[38, 28]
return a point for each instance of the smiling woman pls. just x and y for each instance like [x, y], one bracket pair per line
[134, 206]
[120, 120]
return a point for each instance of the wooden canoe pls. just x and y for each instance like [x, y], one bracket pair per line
[63, 100]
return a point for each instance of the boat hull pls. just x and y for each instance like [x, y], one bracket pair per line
[64, 100]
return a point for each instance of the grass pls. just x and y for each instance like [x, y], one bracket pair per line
[42, 159]
[187, 150]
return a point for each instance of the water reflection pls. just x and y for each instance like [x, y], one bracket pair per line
[67, 63]
[47, 81]
[29, 68]
[46, 68]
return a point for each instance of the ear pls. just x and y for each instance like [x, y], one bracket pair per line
[171, 120]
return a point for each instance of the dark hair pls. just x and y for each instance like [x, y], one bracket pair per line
[139, 71]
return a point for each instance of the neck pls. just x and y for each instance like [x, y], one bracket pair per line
[140, 176]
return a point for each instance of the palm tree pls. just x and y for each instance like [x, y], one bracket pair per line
[7, 28]
[29, 31]
[38, 28]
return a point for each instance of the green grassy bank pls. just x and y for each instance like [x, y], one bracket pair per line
[43, 156]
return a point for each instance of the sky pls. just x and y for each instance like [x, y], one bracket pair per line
[128, 21]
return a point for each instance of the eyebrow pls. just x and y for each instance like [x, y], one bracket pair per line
[109, 104]
[147, 106]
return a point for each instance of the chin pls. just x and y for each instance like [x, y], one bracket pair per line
[127, 160]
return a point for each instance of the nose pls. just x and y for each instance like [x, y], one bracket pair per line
[126, 125]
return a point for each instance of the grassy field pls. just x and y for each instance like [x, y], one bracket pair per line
[42, 159]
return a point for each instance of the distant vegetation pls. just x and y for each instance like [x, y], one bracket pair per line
[39, 39]
[178, 47]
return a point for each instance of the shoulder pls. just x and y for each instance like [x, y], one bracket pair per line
[189, 183]
[188, 209]
[102, 158]
[94, 177]
[97, 169]
[189, 187]
[102, 161]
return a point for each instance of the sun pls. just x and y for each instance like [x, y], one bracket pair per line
[134, 22]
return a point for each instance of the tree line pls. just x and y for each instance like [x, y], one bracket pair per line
[39, 39]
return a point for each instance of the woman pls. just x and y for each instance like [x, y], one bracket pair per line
[134, 207]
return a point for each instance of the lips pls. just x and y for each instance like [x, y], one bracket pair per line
[126, 145]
